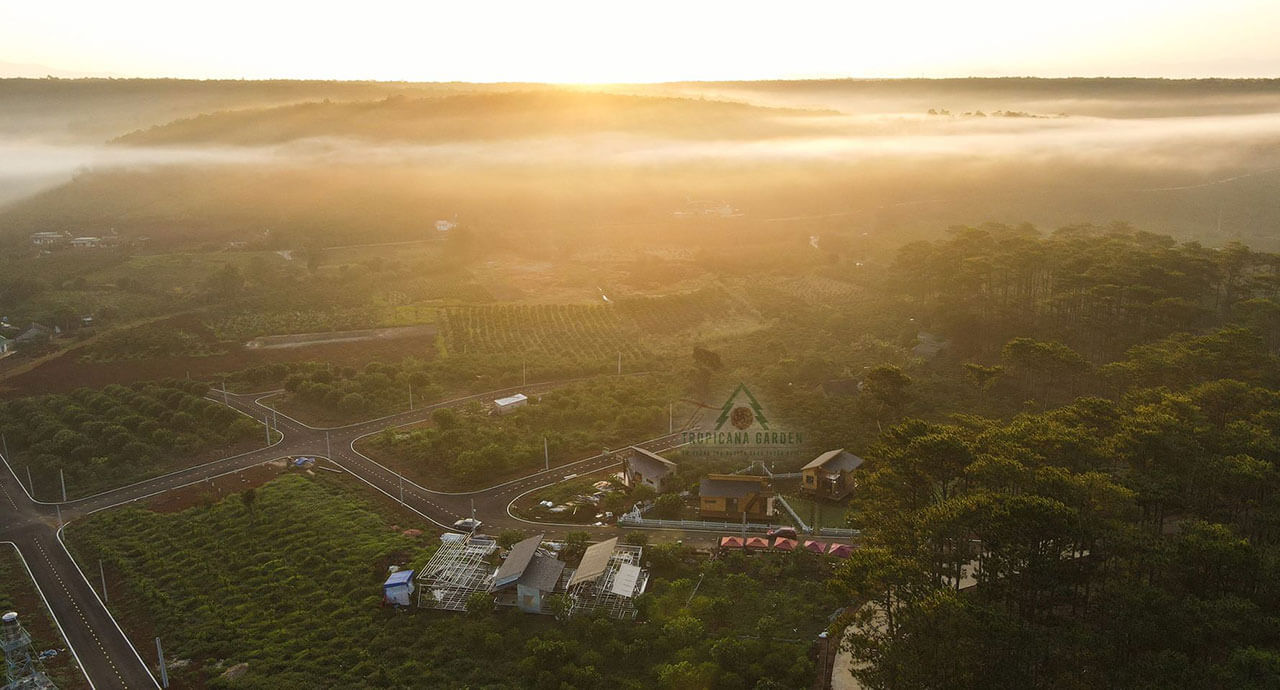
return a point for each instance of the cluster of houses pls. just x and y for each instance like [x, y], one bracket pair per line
[830, 476]
[608, 577]
[14, 339]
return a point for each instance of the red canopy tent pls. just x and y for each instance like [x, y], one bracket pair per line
[784, 544]
[730, 542]
[757, 543]
[840, 550]
[815, 546]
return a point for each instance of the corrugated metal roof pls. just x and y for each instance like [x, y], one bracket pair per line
[837, 460]
[594, 561]
[542, 573]
[517, 560]
[650, 462]
[511, 399]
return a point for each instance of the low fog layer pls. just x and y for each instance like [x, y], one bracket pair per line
[1017, 158]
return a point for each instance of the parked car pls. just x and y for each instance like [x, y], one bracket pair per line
[467, 525]
[781, 533]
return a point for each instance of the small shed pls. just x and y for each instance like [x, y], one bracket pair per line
[398, 588]
[510, 403]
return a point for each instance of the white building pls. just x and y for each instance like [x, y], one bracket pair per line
[45, 239]
[510, 403]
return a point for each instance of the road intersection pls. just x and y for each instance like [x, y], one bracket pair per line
[106, 655]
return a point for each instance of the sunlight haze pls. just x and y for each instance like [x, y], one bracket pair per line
[591, 42]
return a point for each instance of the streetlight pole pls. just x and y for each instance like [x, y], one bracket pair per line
[164, 672]
[63, 479]
[546, 453]
[410, 395]
[103, 574]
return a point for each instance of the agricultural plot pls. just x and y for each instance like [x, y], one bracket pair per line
[469, 448]
[587, 332]
[151, 341]
[99, 439]
[636, 326]
[287, 587]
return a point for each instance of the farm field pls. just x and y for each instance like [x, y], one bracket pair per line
[469, 448]
[18, 593]
[97, 439]
[287, 610]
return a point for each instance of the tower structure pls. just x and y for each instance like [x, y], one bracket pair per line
[21, 671]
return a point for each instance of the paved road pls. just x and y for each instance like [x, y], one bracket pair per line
[106, 655]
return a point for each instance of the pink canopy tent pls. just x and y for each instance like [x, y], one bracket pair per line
[815, 546]
[840, 550]
[730, 542]
[757, 543]
[784, 544]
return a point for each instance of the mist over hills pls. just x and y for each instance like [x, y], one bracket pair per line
[897, 158]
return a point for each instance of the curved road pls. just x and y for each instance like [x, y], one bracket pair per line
[105, 654]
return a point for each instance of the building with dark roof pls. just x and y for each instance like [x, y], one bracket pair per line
[830, 475]
[533, 572]
[641, 467]
[732, 495]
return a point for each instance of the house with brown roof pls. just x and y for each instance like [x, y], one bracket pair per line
[731, 495]
[830, 475]
[641, 467]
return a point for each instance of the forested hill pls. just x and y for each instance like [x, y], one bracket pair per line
[478, 116]
[1105, 511]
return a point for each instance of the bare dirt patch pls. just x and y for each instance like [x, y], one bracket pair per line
[214, 490]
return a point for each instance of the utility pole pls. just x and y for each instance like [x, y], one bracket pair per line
[31, 488]
[266, 422]
[224, 392]
[473, 509]
[5, 442]
[619, 363]
[62, 478]
[103, 574]
[164, 672]
[411, 395]
[671, 418]
[546, 453]
[744, 527]
[327, 452]
[524, 376]
[401, 488]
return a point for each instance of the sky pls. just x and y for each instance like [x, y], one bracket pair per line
[604, 41]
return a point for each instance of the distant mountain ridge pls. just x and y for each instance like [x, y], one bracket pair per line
[483, 116]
